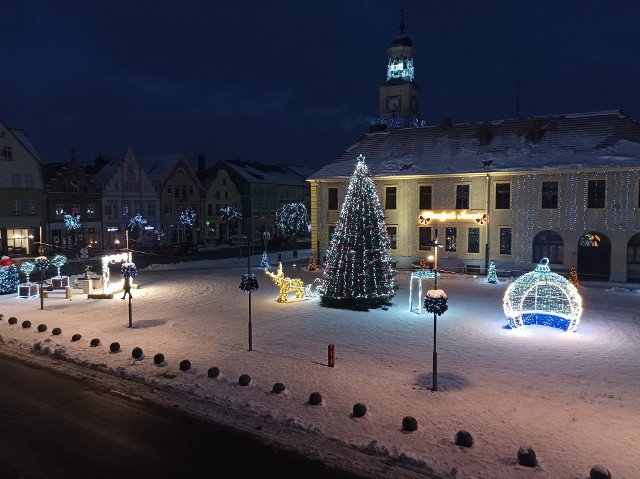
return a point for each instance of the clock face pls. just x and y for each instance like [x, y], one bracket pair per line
[393, 103]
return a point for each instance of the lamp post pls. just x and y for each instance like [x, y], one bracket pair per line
[436, 302]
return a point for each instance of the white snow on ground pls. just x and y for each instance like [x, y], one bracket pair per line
[573, 397]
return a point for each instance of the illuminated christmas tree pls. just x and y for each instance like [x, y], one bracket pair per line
[573, 276]
[492, 277]
[264, 262]
[312, 264]
[8, 276]
[358, 272]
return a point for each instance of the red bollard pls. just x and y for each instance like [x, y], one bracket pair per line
[332, 356]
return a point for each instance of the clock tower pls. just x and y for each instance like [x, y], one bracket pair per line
[400, 94]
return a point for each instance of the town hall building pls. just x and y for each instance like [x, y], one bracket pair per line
[512, 191]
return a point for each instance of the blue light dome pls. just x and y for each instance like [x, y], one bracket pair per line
[543, 297]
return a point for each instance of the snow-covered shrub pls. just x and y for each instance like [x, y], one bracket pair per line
[26, 324]
[244, 380]
[278, 388]
[136, 353]
[42, 328]
[13, 320]
[464, 439]
[409, 423]
[359, 409]
[315, 399]
[527, 457]
[95, 342]
[599, 472]
[213, 372]
[158, 358]
[185, 365]
[76, 337]
[56, 331]
[114, 347]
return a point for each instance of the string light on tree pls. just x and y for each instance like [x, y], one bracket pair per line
[492, 276]
[573, 277]
[27, 267]
[264, 261]
[312, 264]
[58, 260]
[72, 222]
[543, 297]
[359, 273]
[136, 226]
[292, 219]
[188, 216]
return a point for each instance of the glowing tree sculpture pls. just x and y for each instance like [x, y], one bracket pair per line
[573, 276]
[72, 224]
[264, 262]
[543, 297]
[58, 260]
[27, 267]
[359, 273]
[312, 264]
[492, 277]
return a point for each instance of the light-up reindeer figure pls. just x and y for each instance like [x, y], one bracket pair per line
[287, 285]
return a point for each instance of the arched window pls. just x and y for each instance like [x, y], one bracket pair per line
[548, 244]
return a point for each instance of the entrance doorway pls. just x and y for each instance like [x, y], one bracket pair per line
[594, 257]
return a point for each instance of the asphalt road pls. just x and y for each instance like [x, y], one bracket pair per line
[55, 426]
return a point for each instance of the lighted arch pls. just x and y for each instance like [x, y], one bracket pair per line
[543, 297]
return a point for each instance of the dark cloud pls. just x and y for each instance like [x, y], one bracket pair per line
[296, 80]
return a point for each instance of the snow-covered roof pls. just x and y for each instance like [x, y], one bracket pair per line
[157, 167]
[256, 172]
[589, 140]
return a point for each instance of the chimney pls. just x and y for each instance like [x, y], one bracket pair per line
[536, 133]
[446, 123]
[201, 165]
[483, 134]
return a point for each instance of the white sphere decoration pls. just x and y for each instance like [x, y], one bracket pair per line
[543, 297]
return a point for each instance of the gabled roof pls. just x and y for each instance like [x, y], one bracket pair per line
[256, 172]
[158, 167]
[587, 140]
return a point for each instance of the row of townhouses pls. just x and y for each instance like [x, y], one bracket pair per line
[35, 198]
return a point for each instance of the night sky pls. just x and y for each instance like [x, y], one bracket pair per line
[296, 81]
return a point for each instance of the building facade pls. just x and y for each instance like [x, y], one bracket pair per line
[21, 194]
[564, 187]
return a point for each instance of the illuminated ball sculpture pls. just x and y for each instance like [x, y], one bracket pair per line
[543, 297]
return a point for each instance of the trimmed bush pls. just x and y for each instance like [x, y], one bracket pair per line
[244, 380]
[213, 372]
[114, 347]
[136, 353]
[56, 331]
[359, 409]
[527, 457]
[76, 337]
[599, 472]
[464, 439]
[26, 324]
[278, 388]
[42, 328]
[185, 365]
[158, 358]
[409, 424]
[95, 342]
[315, 399]
[13, 320]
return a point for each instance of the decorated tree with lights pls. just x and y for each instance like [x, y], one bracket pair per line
[292, 219]
[492, 276]
[231, 216]
[72, 224]
[312, 264]
[359, 273]
[136, 226]
[573, 276]
[188, 218]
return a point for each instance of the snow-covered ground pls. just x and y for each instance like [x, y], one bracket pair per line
[573, 397]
